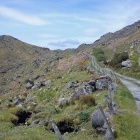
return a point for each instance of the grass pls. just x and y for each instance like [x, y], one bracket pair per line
[127, 125]
[29, 133]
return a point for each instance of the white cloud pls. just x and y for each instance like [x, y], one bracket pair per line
[21, 17]
[68, 43]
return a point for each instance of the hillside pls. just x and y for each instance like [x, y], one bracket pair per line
[124, 40]
[38, 85]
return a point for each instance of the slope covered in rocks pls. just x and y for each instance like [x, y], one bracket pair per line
[38, 85]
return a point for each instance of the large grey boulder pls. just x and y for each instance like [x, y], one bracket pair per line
[97, 119]
[126, 64]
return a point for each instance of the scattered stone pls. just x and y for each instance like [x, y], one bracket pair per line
[35, 122]
[73, 84]
[35, 77]
[29, 85]
[29, 99]
[126, 64]
[63, 101]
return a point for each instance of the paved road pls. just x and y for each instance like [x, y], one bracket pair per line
[134, 89]
[129, 78]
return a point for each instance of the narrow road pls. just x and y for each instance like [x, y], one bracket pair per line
[129, 78]
[132, 84]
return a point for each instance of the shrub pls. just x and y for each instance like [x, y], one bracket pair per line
[87, 99]
[84, 117]
[99, 54]
[118, 58]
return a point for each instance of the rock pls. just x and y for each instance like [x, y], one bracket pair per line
[84, 90]
[89, 89]
[63, 101]
[91, 82]
[126, 64]
[35, 122]
[35, 86]
[19, 105]
[35, 77]
[101, 130]
[97, 119]
[42, 122]
[102, 82]
[29, 85]
[38, 84]
[108, 135]
[29, 99]
[73, 84]
[46, 83]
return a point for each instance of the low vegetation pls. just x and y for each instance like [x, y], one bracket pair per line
[117, 59]
[99, 54]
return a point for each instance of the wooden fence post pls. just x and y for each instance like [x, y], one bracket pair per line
[56, 130]
[107, 124]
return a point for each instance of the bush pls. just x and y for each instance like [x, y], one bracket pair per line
[87, 99]
[99, 54]
[118, 58]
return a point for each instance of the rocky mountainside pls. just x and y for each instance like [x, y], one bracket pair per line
[127, 35]
[19, 60]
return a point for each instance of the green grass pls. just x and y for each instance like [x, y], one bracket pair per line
[127, 125]
[29, 133]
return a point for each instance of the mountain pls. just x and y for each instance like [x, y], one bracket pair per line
[38, 85]
[19, 59]
[125, 36]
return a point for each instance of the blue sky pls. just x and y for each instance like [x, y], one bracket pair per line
[61, 24]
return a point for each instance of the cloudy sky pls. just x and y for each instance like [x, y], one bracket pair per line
[61, 24]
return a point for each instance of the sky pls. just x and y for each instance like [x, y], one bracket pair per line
[62, 24]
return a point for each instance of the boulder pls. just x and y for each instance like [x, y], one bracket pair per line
[97, 119]
[126, 64]
[84, 90]
[102, 82]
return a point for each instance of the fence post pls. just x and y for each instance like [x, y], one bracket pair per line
[56, 130]
[107, 124]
